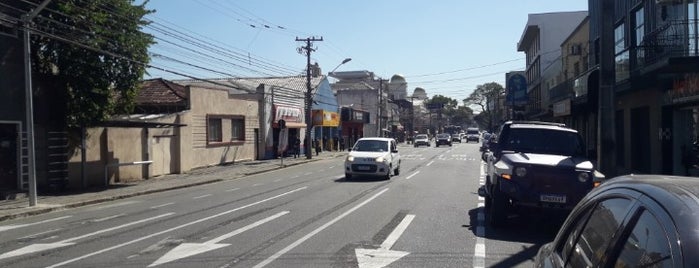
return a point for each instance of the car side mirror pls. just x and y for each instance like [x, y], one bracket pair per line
[395, 151]
[349, 149]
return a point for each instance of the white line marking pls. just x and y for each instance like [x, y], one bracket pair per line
[201, 196]
[316, 231]
[173, 228]
[109, 218]
[257, 184]
[308, 173]
[33, 248]
[162, 205]
[412, 175]
[479, 250]
[393, 237]
[430, 163]
[277, 180]
[331, 167]
[38, 234]
[10, 227]
[234, 189]
[115, 205]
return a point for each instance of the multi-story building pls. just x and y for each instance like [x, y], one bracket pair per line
[656, 83]
[541, 42]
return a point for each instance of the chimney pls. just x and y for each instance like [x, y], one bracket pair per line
[315, 70]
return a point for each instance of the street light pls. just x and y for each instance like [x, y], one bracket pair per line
[338, 66]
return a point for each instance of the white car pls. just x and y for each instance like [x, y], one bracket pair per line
[373, 157]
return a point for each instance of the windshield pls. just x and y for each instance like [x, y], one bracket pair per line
[544, 141]
[472, 132]
[442, 136]
[421, 137]
[371, 146]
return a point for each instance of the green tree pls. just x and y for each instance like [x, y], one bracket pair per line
[480, 97]
[90, 55]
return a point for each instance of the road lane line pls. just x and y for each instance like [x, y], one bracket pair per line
[412, 175]
[393, 237]
[307, 173]
[430, 163]
[174, 228]
[201, 196]
[234, 189]
[33, 248]
[38, 234]
[479, 250]
[162, 205]
[109, 218]
[316, 231]
[10, 227]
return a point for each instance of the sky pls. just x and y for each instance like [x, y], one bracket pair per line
[447, 47]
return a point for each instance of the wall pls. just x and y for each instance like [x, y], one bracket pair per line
[646, 98]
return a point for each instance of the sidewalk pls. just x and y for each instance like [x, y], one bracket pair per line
[47, 202]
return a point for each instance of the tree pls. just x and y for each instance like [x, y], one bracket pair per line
[481, 96]
[90, 56]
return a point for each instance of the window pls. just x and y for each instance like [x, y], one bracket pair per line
[646, 246]
[238, 129]
[640, 33]
[214, 129]
[621, 60]
[587, 248]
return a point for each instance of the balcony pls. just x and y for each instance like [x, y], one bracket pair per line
[672, 47]
[561, 91]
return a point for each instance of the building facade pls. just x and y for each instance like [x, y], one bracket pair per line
[541, 41]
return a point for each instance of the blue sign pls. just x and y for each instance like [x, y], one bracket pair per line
[517, 89]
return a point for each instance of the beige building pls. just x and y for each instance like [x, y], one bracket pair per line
[176, 129]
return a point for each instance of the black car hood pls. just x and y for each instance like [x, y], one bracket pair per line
[576, 162]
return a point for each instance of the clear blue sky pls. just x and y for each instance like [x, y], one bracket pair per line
[447, 47]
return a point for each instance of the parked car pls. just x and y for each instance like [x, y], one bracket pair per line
[373, 157]
[630, 221]
[535, 165]
[421, 139]
[473, 134]
[442, 139]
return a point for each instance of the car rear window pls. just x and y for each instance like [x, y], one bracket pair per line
[421, 137]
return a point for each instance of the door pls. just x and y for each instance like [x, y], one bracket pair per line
[8, 156]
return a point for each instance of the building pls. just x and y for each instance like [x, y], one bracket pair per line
[175, 129]
[656, 83]
[540, 41]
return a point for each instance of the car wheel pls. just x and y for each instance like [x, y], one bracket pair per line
[396, 171]
[497, 213]
[348, 176]
[388, 174]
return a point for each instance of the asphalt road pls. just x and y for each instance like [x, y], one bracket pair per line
[302, 216]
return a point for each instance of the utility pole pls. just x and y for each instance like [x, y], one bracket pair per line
[606, 148]
[29, 102]
[309, 97]
[379, 109]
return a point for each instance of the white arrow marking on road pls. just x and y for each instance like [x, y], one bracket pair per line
[185, 250]
[10, 227]
[383, 256]
[42, 247]
[173, 228]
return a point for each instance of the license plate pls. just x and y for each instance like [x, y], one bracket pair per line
[363, 167]
[552, 198]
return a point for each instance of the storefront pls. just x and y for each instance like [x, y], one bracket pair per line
[326, 129]
[680, 130]
[352, 124]
[293, 118]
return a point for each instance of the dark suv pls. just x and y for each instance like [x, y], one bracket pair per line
[442, 139]
[536, 165]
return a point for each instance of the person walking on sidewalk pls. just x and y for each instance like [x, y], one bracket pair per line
[297, 147]
[317, 145]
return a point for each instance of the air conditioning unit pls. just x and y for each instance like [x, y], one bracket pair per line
[668, 2]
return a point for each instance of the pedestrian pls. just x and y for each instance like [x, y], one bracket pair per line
[317, 145]
[341, 140]
[297, 146]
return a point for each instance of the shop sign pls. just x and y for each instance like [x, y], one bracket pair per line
[289, 114]
[561, 108]
[684, 90]
[325, 118]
